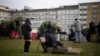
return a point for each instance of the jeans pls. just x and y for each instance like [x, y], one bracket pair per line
[77, 36]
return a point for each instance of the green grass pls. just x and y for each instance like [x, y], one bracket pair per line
[14, 47]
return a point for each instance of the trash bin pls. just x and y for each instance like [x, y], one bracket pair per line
[34, 35]
[14, 34]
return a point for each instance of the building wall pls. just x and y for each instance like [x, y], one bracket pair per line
[89, 14]
[93, 13]
[98, 14]
[62, 16]
[4, 15]
[66, 18]
[83, 14]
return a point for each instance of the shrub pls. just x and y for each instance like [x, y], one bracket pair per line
[85, 31]
[6, 28]
[42, 29]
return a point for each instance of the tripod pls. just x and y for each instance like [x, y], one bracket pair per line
[42, 40]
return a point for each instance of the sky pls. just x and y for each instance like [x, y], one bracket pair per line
[40, 4]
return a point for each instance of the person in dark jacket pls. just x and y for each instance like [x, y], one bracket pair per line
[50, 34]
[47, 33]
[98, 30]
[71, 35]
[26, 28]
[49, 27]
[92, 30]
[51, 38]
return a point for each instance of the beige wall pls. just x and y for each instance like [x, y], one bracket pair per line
[89, 14]
[98, 12]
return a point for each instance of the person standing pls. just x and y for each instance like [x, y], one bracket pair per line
[26, 28]
[98, 30]
[92, 30]
[77, 26]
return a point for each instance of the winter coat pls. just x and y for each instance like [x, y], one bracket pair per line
[48, 28]
[51, 39]
[26, 28]
[98, 28]
[92, 28]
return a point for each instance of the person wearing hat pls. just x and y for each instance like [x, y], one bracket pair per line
[26, 29]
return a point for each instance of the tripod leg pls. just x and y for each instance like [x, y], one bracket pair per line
[38, 46]
[44, 46]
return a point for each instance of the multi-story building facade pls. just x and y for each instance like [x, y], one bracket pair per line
[63, 16]
[89, 12]
[4, 13]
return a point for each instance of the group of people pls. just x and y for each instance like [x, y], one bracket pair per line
[48, 34]
[76, 33]
[93, 32]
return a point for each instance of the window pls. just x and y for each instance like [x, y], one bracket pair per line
[67, 11]
[71, 11]
[83, 9]
[94, 6]
[59, 12]
[94, 3]
[94, 11]
[83, 14]
[71, 16]
[83, 4]
[75, 11]
[63, 12]
[84, 24]
[94, 15]
[83, 19]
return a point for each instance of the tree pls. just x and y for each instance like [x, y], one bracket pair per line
[42, 27]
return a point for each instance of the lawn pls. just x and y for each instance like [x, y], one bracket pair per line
[14, 47]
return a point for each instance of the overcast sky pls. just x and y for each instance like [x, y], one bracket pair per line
[38, 4]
